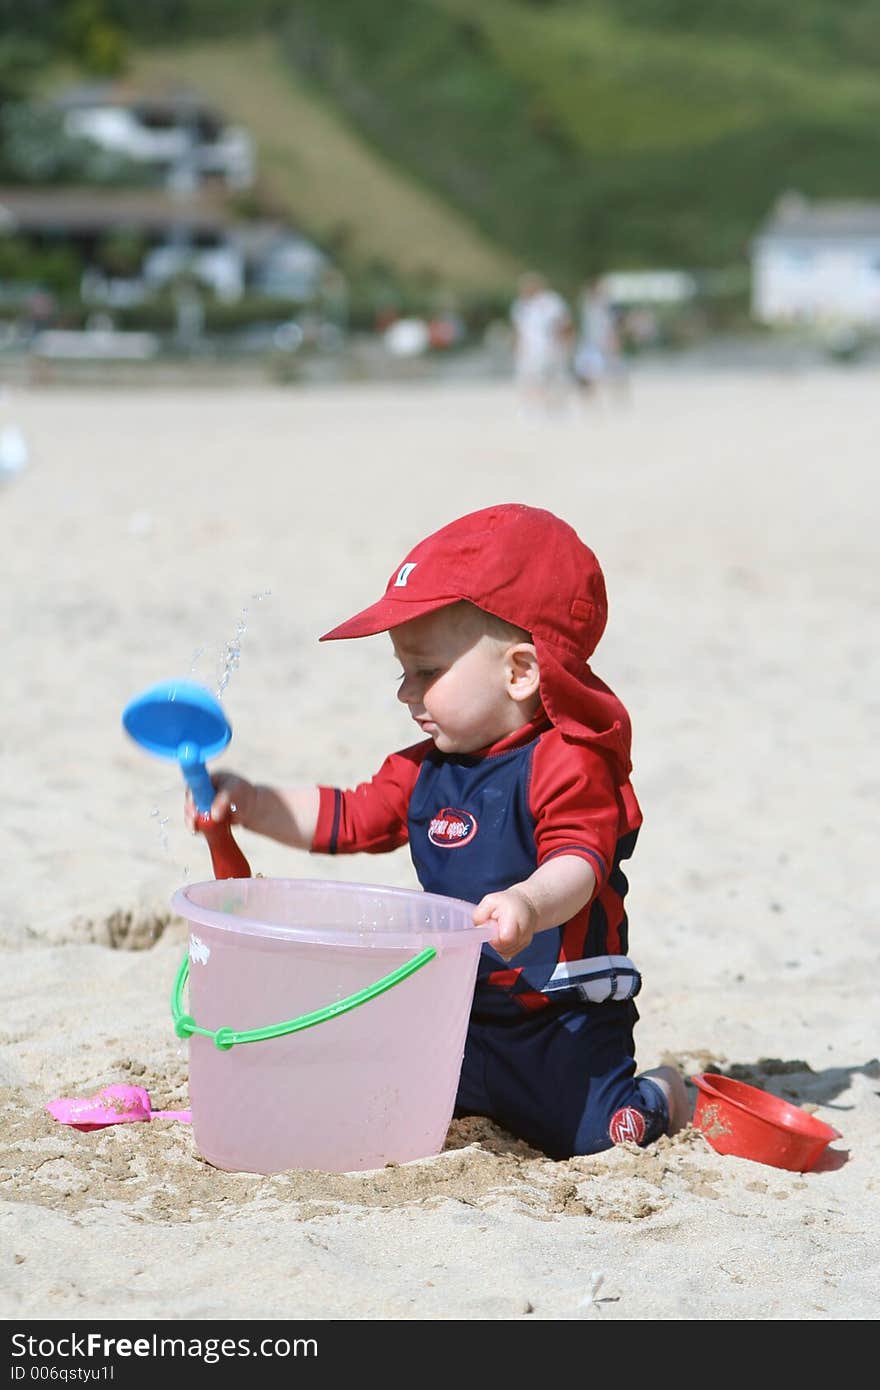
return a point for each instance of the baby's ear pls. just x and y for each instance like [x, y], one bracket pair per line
[523, 673]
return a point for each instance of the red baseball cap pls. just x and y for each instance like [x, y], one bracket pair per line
[527, 566]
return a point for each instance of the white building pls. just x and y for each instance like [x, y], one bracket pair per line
[277, 261]
[260, 257]
[193, 233]
[180, 137]
[817, 263]
[659, 287]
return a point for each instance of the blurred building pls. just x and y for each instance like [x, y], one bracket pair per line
[179, 137]
[167, 235]
[640, 287]
[276, 261]
[817, 262]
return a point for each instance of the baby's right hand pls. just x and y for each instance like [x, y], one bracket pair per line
[233, 800]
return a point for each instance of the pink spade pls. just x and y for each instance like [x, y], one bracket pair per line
[114, 1105]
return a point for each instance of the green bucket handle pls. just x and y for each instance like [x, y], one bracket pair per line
[224, 1038]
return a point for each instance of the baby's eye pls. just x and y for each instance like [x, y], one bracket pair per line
[421, 673]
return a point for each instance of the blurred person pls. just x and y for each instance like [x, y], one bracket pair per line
[640, 328]
[516, 799]
[598, 355]
[543, 331]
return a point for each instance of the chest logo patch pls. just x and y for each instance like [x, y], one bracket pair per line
[450, 829]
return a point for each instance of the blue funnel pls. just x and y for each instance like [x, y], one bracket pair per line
[182, 721]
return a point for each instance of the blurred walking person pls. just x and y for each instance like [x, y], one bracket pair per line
[598, 355]
[543, 333]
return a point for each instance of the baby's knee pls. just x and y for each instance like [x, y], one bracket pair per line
[653, 1104]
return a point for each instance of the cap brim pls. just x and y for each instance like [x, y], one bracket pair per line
[384, 615]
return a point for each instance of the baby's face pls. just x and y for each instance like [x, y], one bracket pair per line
[455, 680]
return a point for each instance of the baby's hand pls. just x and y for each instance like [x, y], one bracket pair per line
[517, 918]
[233, 800]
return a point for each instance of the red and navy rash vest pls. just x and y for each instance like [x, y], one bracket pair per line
[477, 823]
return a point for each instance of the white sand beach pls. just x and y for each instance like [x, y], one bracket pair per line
[159, 533]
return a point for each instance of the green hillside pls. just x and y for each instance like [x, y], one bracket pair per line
[586, 133]
[316, 168]
[466, 138]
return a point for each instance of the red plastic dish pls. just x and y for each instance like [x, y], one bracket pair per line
[738, 1119]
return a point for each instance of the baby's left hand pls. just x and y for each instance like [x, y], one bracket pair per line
[517, 918]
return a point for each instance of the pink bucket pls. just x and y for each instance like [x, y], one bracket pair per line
[376, 984]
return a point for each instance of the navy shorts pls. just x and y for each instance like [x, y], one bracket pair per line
[562, 1079]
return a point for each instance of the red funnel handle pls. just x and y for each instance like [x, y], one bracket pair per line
[226, 857]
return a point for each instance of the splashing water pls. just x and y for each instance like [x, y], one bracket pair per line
[162, 822]
[230, 660]
[232, 653]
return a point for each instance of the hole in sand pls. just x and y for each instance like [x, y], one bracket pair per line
[135, 929]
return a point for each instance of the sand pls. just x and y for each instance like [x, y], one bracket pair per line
[214, 534]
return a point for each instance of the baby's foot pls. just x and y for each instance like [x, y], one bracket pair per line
[671, 1084]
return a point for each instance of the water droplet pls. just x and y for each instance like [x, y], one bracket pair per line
[156, 814]
[231, 656]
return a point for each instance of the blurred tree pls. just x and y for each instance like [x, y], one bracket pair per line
[20, 60]
[35, 148]
[93, 38]
[56, 268]
[121, 252]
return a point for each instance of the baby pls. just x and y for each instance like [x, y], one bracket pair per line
[516, 798]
